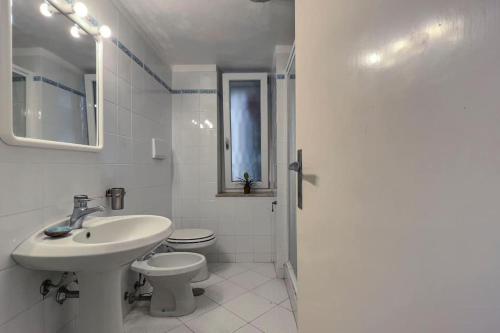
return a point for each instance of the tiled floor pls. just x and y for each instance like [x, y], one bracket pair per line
[239, 297]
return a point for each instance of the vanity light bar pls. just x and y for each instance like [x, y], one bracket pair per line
[78, 13]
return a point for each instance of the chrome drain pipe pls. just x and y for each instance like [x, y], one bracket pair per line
[63, 294]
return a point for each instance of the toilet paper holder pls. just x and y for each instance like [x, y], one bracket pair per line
[117, 195]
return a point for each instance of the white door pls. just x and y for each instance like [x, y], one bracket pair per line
[398, 118]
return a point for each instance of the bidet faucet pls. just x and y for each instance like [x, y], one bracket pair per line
[80, 210]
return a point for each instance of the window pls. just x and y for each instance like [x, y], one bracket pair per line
[245, 129]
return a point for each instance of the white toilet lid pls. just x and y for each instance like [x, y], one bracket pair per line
[191, 235]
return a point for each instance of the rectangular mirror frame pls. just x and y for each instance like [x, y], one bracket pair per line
[6, 108]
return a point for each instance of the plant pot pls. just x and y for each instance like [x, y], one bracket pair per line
[246, 189]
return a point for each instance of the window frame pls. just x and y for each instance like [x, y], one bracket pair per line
[228, 184]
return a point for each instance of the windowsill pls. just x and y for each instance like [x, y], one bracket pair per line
[261, 194]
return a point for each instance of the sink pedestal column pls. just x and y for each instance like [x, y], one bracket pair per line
[100, 306]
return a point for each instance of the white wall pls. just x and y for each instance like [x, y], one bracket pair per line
[398, 118]
[37, 185]
[243, 225]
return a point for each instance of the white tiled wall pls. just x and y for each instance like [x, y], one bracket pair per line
[37, 185]
[243, 225]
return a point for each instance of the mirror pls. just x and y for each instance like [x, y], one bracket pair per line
[55, 91]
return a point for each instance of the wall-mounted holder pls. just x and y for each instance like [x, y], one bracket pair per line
[159, 149]
[117, 195]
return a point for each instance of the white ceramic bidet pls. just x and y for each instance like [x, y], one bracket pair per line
[170, 275]
[193, 240]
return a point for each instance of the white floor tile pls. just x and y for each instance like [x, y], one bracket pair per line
[273, 290]
[250, 265]
[229, 286]
[248, 329]
[286, 304]
[249, 280]
[278, 320]
[266, 270]
[181, 329]
[213, 279]
[226, 270]
[134, 329]
[203, 305]
[224, 291]
[139, 321]
[219, 320]
[249, 306]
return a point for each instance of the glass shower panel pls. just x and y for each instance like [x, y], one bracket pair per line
[292, 175]
[245, 129]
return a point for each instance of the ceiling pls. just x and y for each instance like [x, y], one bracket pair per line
[234, 34]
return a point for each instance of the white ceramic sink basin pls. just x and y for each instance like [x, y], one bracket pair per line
[102, 244]
[98, 253]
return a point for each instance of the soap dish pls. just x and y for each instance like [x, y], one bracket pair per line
[55, 232]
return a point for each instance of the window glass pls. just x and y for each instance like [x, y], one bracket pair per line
[245, 101]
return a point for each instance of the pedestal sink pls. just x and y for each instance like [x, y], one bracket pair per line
[97, 252]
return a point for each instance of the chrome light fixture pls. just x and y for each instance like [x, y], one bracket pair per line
[79, 14]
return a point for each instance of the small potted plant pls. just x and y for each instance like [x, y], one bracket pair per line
[247, 183]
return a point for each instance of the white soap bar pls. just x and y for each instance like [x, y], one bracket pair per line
[160, 149]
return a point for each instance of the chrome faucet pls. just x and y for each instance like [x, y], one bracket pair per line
[80, 210]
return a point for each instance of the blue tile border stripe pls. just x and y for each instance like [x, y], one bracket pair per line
[58, 85]
[141, 64]
[283, 76]
[194, 91]
[155, 76]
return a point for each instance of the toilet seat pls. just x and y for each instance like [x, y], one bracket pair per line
[189, 239]
[190, 236]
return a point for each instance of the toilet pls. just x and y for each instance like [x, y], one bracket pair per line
[170, 274]
[193, 240]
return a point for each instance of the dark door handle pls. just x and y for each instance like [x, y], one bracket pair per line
[294, 166]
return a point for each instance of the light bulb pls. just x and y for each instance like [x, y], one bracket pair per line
[75, 31]
[373, 58]
[80, 9]
[105, 31]
[45, 10]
